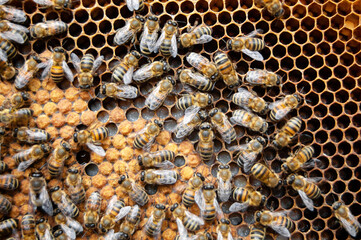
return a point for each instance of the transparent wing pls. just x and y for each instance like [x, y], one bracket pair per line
[197, 60]
[111, 204]
[68, 74]
[167, 176]
[37, 136]
[3, 55]
[68, 231]
[236, 207]
[280, 229]
[135, 4]
[44, 2]
[282, 213]
[173, 46]
[128, 76]
[204, 39]
[219, 235]
[194, 217]
[13, 36]
[201, 80]
[47, 205]
[96, 149]
[253, 33]
[22, 79]
[122, 213]
[159, 42]
[110, 235]
[16, 14]
[143, 73]
[230, 235]
[126, 91]
[76, 61]
[123, 34]
[130, 5]
[306, 200]
[24, 165]
[3, 2]
[219, 211]
[152, 41]
[183, 233]
[224, 189]
[165, 165]
[74, 224]
[47, 235]
[144, 36]
[238, 147]
[253, 54]
[97, 62]
[47, 66]
[349, 227]
[315, 180]
[149, 144]
[183, 129]
[199, 199]
[274, 104]
[309, 164]
[225, 127]
[152, 100]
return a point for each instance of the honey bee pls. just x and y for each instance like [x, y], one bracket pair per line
[59, 234]
[264, 78]
[57, 158]
[123, 72]
[27, 72]
[198, 236]
[92, 210]
[74, 182]
[13, 32]
[151, 70]
[205, 146]
[192, 119]
[274, 7]
[224, 230]
[200, 100]
[306, 188]
[28, 225]
[286, 134]
[121, 92]
[249, 120]
[135, 192]
[196, 35]
[344, 215]
[16, 101]
[250, 101]
[86, 68]
[207, 203]
[279, 109]
[226, 70]
[248, 152]
[115, 211]
[160, 159]
[3, 166]
[248, 45]
[224, 178]
[195, 79]
[246, 197]
[265, 175]
[18, 118]
[129, 31]
[167, 42]
[135, 5]
[7, 71]
[145, 138]
[128, 227]
[57, 67]
[149, 35]
[7, 50]
[203, 65]
[8, 226]
[38, 195]
[5, 206]
[154, 224]
[61, 199]
[8, 182]
[31, 135]
[56, 4]
[258, 232]
[159, 177]
[195, 185]
[12, 14]
[92, 139]
[43, 230]
[299, 160]
[185, 220]
[48, 28]
[27, 157]
[220, 121]
[278, 221]
[160, 93]
[69, 226]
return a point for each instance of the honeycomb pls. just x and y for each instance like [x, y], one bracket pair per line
[315, 46]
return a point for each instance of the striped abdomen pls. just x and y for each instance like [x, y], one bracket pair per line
[8, 48]
[261, 172]
[139, 196]
[77, 194]
[293, 126]
[209, 212]
[184, 102]
[3, 167]
[200, 31]
[305, 154]
[188, 197]
[5, 206]
[28, 226]
[57, 73]
[284, 222]
[190, 224]
[166, 46]
[94, 201]
[55, 167]
[69, 208]
[117, 206]
[99, 134]
[258, 232]
[254, 44]
[141, 140]
[152, 227]
[9, 182]
[312, 190]
[22, 34]
[55, 27]
[274, 111]
[7, 227]
[164, 155]
[86, 63]
[119, 72]
[224, 65]
[240, 194]
[205, 150]
[22, 156]
[45, 136]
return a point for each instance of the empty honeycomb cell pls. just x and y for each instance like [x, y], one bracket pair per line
[323, 23]
[225, 18]
[345, 34]
[309, 49]
[272, 203]
[337, 22]
[347, 198]
[351, 134]
[112, 12]
[336, 135]
[287, 203]
[302, 62]
[329, 8]
[75, 30]
[83, 157]
[329, 149]
[330, 174]
[287, 63]
[279, 51]
[94, 105]
[90, 28]
[96, 14]
[316, 36]
[232, 30]
[103, 2]
[235, 219]
[313, 124]
[303, 225]
[321, 136]
[338, 187]
[295, 214]
[254, 15]
[66, 16]
[325, 73]
[83, 42]
[343, 121]
[323, 48]
[277, 26]
[354, 71]
[344, 8]
[91, 169]
[346, 174]
[292, 24]
[103, 116]
[243, 231]
[342, 96]
[328, 123]
[172, 7]
[125, 13]
[314, 10]
[216, 5]
[113, 129]
[331, 60]
[353, 46]
[52, 16]
[81, 16]
[132, 114]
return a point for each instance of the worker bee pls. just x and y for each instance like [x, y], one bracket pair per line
[248, 152]
[16, 101]
[92, 210]
[279, 109]
[48, 28]
[167, 42]
[86, 68]
[306, 188]
[224, 230]
[38, 195]
[151, 70]
[185, 220]
[258, 232]
[224, 177]
[220, 121]
[28, 225]
[12, 119]
[135, 192]
[195, 184]
[92, 139]
[248, 45]
[3, 166]
[160, 159]
[135, 5]
[75, 187]
[56, 4]
[286, 134]
[7, 70]
[154, 224]
[207, 203]
[200, 100]
[8, 226]
[5, 206]
[274, 7]
[27, 72]
[13, 32]
[7, 49]
[128, 227]
[300, 159]
[61, 199]
[159, 177]
[8, 182]
[123, 72]
[59, 234]
[264, 78]
[57, 158]
[196, 35]
[250, 101]
[121, 92]
[344, 215]
[31, 135]
[245, 197]
[12, 14]
[249, 120]
[203, 65]
[129, 31]
[43, 230]
[195, 79]
[145, 138]
[115, 211]
[192, 119]
[57, 67]
[278, 221]
[159, 93]
[265, 175]
[198, 236]
[226, 69]
[205, 146]
[69, 226]
[27, 157]
[149, 35]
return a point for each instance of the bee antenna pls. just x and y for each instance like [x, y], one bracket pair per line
[46, 163]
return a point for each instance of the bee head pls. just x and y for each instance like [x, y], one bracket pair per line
[142, 176]
[136, 54]
[25, 96]
[41, 220]
[122, 178]
[213, 112]
[208, 187]
[171, 80]
[59, 49]
[90, 225]
[257, 216]
[284, 167]
[54, 189]
[56, 212]
[261, 140]
[36, 174]
[205, 126]
[58, 233]
[229, 44]
[75, 137]
[336, 205]
[298, 98]
[123, 236]
[140, 158]
[140, 18]
[73, 170]
[290, 179]
[263, 200]
[225, 221]
[153, 18]
[160, 206]
[200, 176]
[65, 145]
[166, 67]
[173, 207]
[46, 148]
[158, 123]
[173, 23]
[202, 115]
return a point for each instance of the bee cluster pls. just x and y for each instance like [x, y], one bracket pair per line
[240, 137]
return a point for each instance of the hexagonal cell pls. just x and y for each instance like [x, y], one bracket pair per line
[344, 8]
[322, 22]
[314, 9]
[307, 23]
[329, 8]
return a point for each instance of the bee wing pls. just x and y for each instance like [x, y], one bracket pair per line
[16, 14]
[173, 46]
[280, 229]
[143, 73]
[230, 235]
[44, 2]
[189, 113]
[195, 59]
[12, 36]
[68, 74]
[123, 212]
[315, 180]
[47, 66]
[144, 36]
[165, 165]
[23, 79]
[96, 149]
[37, 136]
[353, 219]
[275, 104]
[111, 204]
[280, 213]
[152, 41]
[219, 211]
[306, 200]
[159, 42]
[3, 55]
[182, 128]
[236, 207]
[123, 34]
[204, 39]
[349, 227]
[74, 224]
[151, 100]
[199, 199]
[183, 233]
[47, 235]
[219, 235]
[253, 54]
[132, 5]
[253, 33]
[238, 148]
[194, 217]
[168, 176]
[110, 235]
[126, 91]
[225, 126]
[3, 2]
[47, 205]
[201, 80]
[97, 62]
[24, 165]
[76, 61]
[309, 164]
[224, 189]
[128, 76]
[68, 231]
